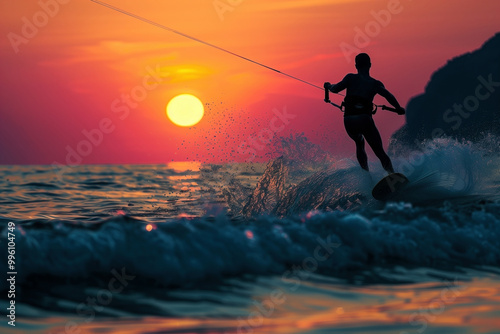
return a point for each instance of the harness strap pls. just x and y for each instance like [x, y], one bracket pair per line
[357, 105]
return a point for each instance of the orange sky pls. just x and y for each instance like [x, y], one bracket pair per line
[67, 77]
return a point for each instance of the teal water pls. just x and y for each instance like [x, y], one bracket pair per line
[254, 248]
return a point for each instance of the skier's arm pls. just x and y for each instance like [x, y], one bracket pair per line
[337, 87]
[382, 91]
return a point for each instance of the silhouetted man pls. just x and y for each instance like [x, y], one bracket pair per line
[358, 103]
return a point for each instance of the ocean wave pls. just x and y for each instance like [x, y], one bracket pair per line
[187, 252]
[439, 170]
[324, 220]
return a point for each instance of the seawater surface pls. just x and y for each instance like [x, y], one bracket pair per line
[284, 247]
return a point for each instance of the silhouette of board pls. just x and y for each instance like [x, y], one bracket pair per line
[389, 186]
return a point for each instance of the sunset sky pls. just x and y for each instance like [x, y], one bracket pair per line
[65, 73]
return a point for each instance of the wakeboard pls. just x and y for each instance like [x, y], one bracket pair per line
[389, 186]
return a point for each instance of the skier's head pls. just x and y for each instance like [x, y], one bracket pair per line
[363, 61]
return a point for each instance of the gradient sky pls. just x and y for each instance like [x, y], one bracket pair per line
[65, 78]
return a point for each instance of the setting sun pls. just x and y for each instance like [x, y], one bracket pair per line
[185, 110]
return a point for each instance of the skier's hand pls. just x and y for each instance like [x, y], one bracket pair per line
[401, 111]
[327, 85]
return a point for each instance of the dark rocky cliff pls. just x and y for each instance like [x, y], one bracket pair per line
[462, 100]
